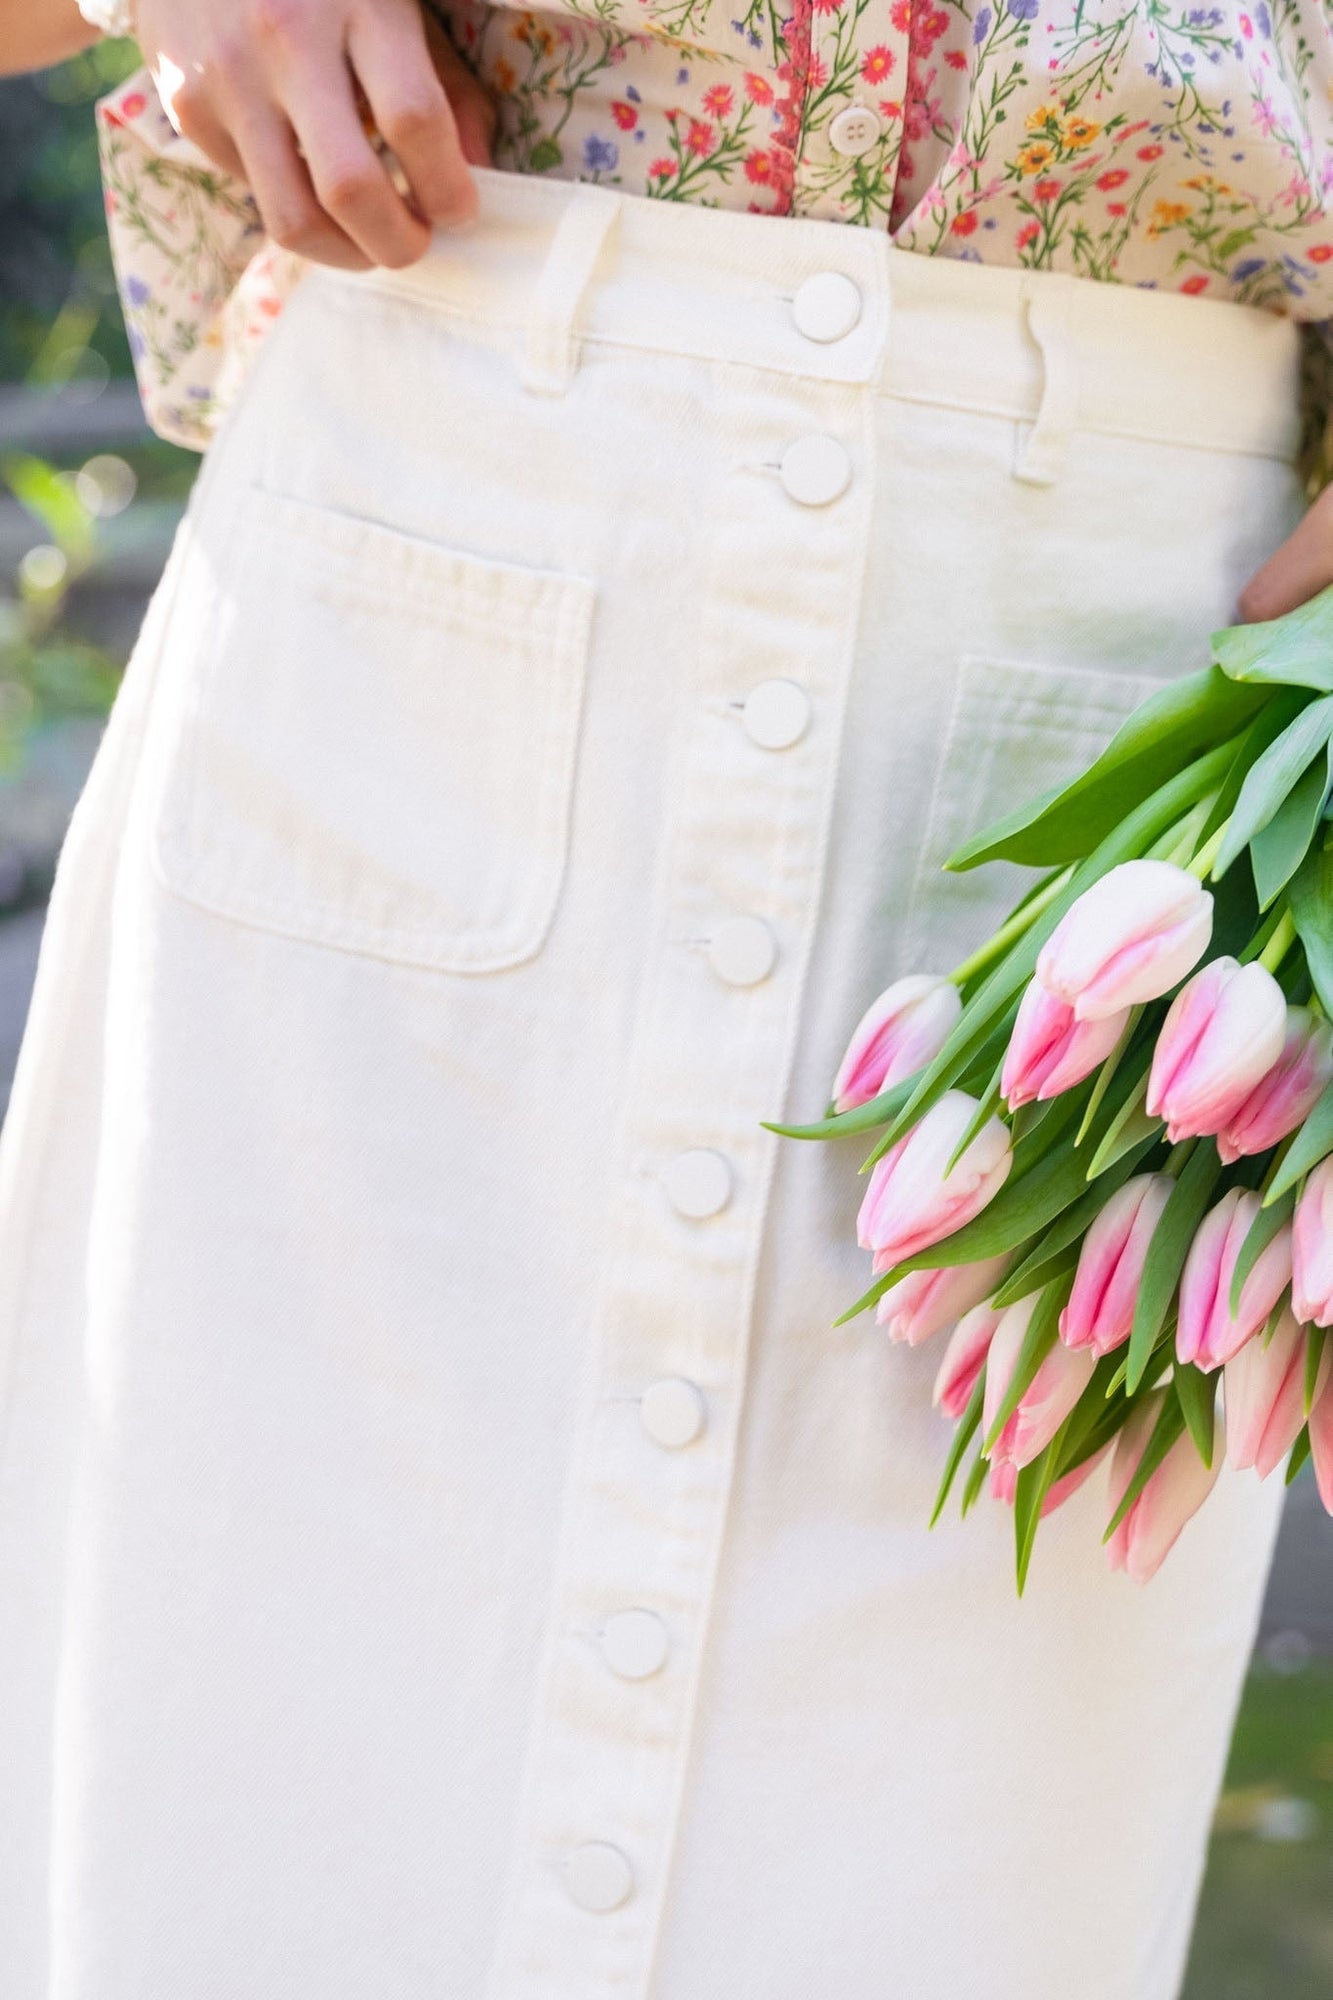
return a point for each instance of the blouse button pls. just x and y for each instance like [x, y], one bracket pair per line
[776, 714]
[597, 1875]
[815, 469]
[826, 306]
[634, 1644]
[854, 130]
[698, 1182]
[742, 950]
[671, 1410]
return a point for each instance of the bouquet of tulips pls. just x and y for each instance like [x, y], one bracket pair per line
[1104, 1162]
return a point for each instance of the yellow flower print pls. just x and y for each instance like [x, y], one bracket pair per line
[1203, 182]
[1077, 132]
[1035, 156]
[1165, 214]
[1044, 115]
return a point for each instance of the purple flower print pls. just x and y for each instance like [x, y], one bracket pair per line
[600, 156]
[981, 27]
[136, 291]
[1022, 10]
[1263, 20]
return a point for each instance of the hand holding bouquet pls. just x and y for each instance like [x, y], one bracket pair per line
[1105, 1142]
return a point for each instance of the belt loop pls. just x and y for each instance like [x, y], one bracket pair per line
[550, 354]
[1040, 455]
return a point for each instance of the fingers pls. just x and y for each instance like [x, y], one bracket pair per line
[472, 104]
[294, 212]
[191, 110]
[354, 123]
[346, 172]
[411, 110]
[1295, 572]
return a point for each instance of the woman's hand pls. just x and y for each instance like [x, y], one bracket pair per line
[1295, 571]
[279, 93]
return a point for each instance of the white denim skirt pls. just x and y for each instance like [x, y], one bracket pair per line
[447, 1551]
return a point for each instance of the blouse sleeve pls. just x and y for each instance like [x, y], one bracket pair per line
[200, 283]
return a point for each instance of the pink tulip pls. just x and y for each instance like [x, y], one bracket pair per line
[1321, 1436]
[899, 1033]
[1128, 938]
[1224, 1030]
[964, 1357]
[1100, 1312]
[1174, 1492]
[925, 1302]
[1048, 1398]
[1265, 1396]
[1050, 1049]
[1312, 1249]
[1287, 1094]
[1207, 1333]
[1004, 1481]
[912, 1201]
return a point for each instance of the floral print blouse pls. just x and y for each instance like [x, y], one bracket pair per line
[1146, 142]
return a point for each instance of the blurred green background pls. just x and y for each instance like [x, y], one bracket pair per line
[88, 501]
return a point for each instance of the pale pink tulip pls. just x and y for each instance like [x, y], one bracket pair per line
[1100, 1312]
[1174, 1492]
[899, 1033]
[1207, 1332]
[964, 1357]
[1224, 1030]
[1321, 1438]
[1312, 1249]
[1264, 1386]
[912, 1201]
[1004, 1481]
[1285, 1097]
[925, 1302]
[1055, 1388]
[1051, 1050]
[1128, 938]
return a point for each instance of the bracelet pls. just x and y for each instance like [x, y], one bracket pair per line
[112, 17]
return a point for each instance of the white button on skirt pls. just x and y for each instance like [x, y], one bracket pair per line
[447, 1551]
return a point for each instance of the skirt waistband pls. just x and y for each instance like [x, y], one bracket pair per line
[563, 266]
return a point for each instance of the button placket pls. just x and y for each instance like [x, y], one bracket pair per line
[642, 1526]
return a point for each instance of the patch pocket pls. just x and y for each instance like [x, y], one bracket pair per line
[1014, 731]
[376, 739]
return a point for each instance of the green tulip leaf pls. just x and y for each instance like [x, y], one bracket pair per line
[1314, 1348]
[1258, 1236]
[1166, 1255]
[1185, 717]
[1300, 1451]
[1295, 650]
[1170, 1426]
[1311, 898]
[1038, 1339]
[962, 1437]
[1312, 1143]
[1279, 848]
[862, 1118]
[1273, 776]
[1196, 1392]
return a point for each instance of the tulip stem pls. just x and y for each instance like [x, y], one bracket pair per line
[1022, 920]
[1283, 938]
[1208, 853]
[1178, 1155]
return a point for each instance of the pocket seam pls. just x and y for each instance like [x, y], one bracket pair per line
[557, 610]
